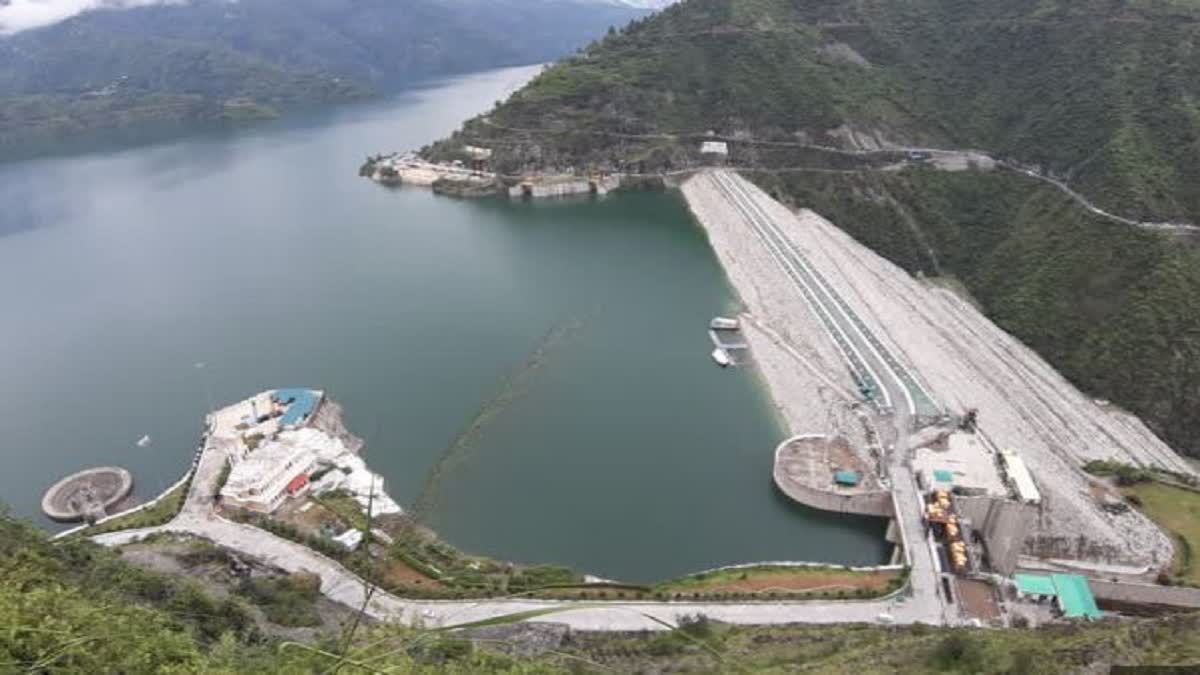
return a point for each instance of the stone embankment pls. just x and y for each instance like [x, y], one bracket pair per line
[964, 359]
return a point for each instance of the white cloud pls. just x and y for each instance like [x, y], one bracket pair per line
[19, 15]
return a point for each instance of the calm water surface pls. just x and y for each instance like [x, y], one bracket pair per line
[261, 255]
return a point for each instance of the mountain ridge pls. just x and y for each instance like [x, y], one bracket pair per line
[202, 54]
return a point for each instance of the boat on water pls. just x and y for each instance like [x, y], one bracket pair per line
[721, 357]
[144, 441]
[723, 323]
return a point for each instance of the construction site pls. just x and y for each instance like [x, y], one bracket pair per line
[906, 402]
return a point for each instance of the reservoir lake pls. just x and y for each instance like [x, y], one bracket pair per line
[139, 282]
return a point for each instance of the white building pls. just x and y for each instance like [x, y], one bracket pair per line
[714, 148]
[476, 152]
[1020, 478]
[268, 475]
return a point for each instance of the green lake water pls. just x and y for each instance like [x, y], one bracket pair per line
[260, 254]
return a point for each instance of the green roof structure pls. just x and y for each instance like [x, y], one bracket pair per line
[1035, 584]
[943, 476]
[848, 478]
[1075, 597]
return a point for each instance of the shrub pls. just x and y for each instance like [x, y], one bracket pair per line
[959, 651]
[696, 625]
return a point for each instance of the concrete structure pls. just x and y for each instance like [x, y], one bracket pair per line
[297, 404]
[476, 152]
[268, 475]
[1134, 598]
[714, 148]
[411, 170]
[1019, 478]
[807, 469]
[971, 467]
[274, 442]
[87, 495]
[1070, 592]
[563, 186]
[1002, 524]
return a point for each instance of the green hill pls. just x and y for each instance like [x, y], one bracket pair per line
[1103, 93]
[74, 607]
[181, 62]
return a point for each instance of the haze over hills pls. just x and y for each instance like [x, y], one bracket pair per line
[1101, 93]
[182, 61]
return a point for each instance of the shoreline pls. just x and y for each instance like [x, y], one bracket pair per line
[201, 517]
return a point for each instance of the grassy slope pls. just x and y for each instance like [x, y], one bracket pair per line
[74, 607]
[1178, 511]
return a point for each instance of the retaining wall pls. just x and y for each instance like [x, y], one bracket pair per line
[583, 186]
[863, 504]
[1003, 524]
[140, 507]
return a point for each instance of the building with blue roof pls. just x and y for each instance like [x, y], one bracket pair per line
[300, 404]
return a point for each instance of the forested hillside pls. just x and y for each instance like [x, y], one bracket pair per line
[73, 607]
[1104, 93]
[184, 61]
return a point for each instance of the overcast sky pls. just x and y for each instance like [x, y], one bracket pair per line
[19, 15]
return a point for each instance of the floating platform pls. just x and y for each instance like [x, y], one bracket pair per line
[87, 495]
[723, 323]
[721, 357]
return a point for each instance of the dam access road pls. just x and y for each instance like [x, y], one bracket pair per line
[197, 518]
[918, 601]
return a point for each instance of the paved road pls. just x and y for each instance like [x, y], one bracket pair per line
[965, 154]
[344, 586]
[197, 518]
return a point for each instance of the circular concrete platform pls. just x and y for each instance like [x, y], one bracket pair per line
[87, 494]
